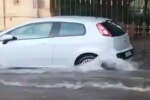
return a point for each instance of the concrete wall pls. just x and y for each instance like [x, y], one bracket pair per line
[1, 15]
[18, 13]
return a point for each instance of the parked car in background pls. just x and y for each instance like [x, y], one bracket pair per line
[63, 41]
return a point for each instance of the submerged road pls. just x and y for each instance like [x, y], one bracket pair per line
[97, 85]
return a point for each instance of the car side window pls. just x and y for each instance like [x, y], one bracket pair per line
[71, 29]
[33, 31]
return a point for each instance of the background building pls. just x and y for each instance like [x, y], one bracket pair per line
[14, 12]
[129, 13]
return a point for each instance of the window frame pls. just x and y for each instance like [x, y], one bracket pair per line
[41, 4]
[56, 32]
[49, 35]
[16, 2]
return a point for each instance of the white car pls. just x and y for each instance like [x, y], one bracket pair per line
[63, 40]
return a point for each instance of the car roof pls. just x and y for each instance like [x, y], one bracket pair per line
[76, 19]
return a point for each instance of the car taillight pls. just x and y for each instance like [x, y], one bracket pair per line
[103, 30]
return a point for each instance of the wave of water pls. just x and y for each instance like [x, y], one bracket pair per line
[110, 64]
[77, 85]
[95, 65]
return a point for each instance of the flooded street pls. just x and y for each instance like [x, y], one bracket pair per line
[74, 49]
[100, 84]
[105, 85]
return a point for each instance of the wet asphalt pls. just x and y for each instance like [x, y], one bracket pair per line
[94, 85]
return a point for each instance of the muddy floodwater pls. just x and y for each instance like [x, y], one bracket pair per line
[128, 80]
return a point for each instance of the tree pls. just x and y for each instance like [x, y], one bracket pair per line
[145, 6]
[145, 9]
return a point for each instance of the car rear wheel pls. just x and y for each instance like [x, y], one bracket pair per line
[85, 59]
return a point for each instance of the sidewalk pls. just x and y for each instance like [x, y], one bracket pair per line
[142, 51]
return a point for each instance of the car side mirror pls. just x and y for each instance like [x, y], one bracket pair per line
[6, 38]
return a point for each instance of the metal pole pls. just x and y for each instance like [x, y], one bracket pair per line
[4, 13]
[37, 8]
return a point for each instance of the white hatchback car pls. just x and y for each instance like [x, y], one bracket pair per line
[62, 40]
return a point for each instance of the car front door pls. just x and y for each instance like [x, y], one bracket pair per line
[31, 49]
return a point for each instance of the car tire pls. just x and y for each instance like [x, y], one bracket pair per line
[85, 59]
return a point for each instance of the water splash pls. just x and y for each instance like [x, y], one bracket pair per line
[77, 85]
[119, 64]
[98, 64]
[109, 64]
[94, 65]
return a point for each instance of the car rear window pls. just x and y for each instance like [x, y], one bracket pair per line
[71, 29]
[113, 28]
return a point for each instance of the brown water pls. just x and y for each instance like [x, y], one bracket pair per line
[129, 81]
